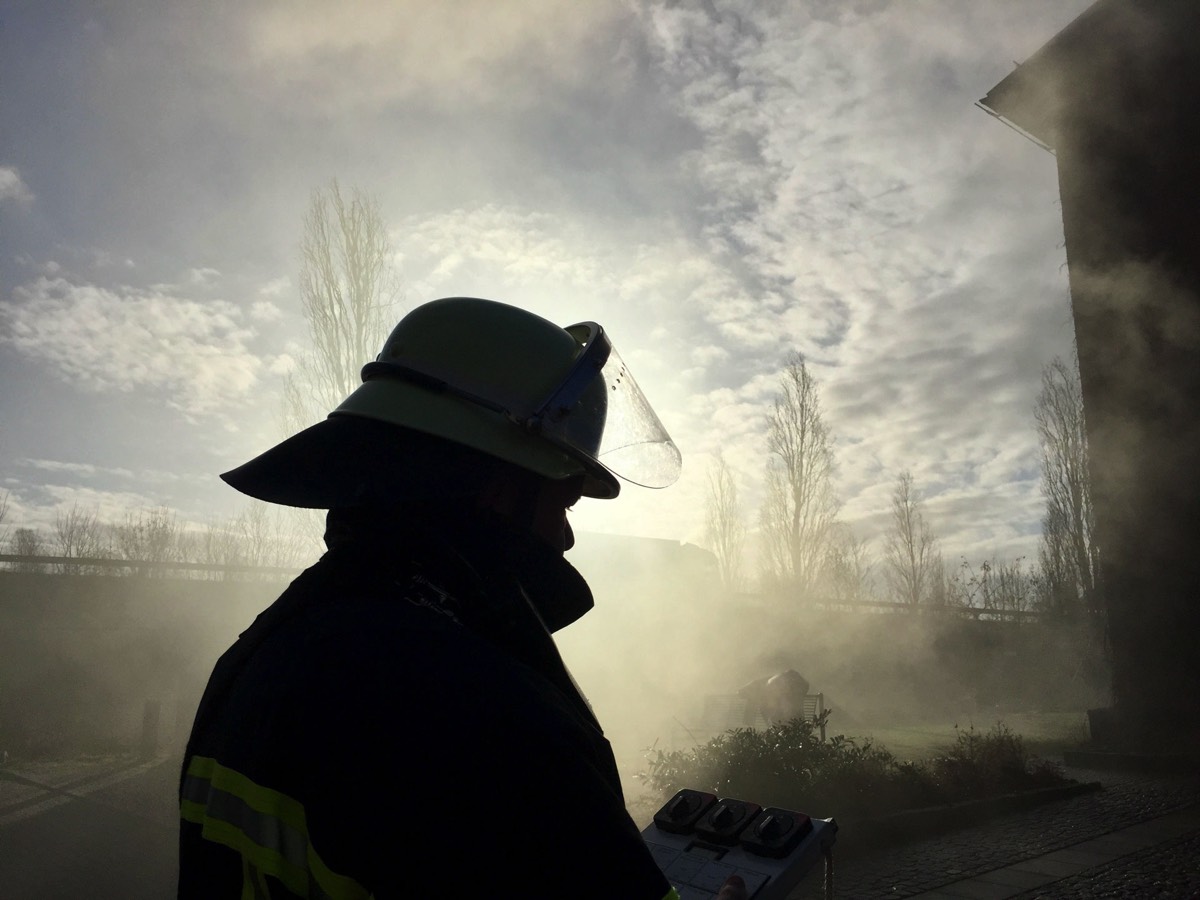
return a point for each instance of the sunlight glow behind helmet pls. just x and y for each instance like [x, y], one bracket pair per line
[511, 384]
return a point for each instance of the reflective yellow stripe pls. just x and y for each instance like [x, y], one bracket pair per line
[672, 894]
[267, 828]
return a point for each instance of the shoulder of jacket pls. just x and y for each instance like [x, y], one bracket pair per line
[442, 588]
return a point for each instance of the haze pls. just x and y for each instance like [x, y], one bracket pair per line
[718, 184]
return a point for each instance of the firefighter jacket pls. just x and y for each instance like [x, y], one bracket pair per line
[399, 724]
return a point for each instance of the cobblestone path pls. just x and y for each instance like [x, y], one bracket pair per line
[930, 863]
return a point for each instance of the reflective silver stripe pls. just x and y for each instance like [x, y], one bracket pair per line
[262, 828]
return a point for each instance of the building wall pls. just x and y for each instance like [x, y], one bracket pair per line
[1114, 95]
[1127, 143]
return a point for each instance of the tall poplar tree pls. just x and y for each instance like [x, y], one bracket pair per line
[800, 507]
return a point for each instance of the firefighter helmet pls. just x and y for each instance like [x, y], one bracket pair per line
[500, 381]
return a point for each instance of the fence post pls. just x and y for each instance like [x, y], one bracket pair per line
[149, 745]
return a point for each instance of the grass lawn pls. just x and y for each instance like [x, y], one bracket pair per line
[1044, 734]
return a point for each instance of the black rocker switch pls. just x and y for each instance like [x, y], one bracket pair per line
[722, 822]
[681, 812]
[776, 832]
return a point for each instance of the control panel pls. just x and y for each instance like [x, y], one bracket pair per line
[699, 840]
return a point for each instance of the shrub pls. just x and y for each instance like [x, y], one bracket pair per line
[788, 765]
[984, 764]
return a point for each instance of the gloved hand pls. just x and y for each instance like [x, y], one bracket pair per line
[733, 889]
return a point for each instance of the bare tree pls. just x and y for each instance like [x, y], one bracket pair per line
[911, 557]
[724, 528]
[997, 586]
[265, 538]
[800, 506]
[217, 546]
[3, 516]
[849, 567]
[262, 535]
[348, 293]
[149, 535]
[29, 543]
[79, 534]
[221, 546]
[1067, 552]
[775, 556]
[348, 290]
[941, 584]
[1013, 587]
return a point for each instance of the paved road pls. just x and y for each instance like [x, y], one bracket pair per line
[109, 832]
[105, 831]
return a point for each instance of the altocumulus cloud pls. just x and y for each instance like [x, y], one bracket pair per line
[455, 53]
[103, 340]
[863, 213]
[86, 470]
[13, 187]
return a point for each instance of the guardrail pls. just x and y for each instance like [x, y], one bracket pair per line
[69, 565]
[66, 565]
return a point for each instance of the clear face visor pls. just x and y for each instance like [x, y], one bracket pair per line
[600, 412]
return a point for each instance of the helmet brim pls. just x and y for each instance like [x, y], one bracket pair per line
[351, 460]
[344, 461]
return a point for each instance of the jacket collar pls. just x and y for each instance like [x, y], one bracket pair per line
[483, 547]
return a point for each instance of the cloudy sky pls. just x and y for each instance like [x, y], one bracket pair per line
[718, 183]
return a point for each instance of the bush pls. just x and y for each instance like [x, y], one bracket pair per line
[985, 764]
[788, 765]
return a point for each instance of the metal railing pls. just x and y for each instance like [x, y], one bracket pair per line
[74, 565]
